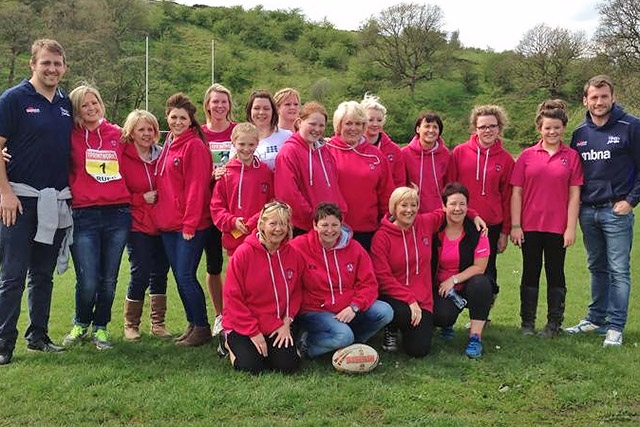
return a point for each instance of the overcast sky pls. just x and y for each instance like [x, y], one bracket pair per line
[495, 24]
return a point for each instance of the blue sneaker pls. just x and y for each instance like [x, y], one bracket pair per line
[474, 347]
[446, 332]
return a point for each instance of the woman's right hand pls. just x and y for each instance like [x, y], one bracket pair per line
[5, 155]
[445, 286]
[260, 344]
[240, 226]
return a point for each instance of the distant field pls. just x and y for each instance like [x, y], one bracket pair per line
[569, 381]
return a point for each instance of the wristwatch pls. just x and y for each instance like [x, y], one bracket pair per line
[455, 280]
[354, 308]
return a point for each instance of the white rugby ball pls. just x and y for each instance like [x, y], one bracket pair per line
[355, 359]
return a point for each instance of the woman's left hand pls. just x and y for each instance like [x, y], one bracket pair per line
[416, 313]
[481, 225]
[283, 336]
[187, 236]
[502, 243]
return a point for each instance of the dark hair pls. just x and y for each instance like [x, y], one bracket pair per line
[49, 45]
[180, 100]
[454, 188]
[325, 209]
[429, 117]
[552, 109]
[598, 82]
[265, 95]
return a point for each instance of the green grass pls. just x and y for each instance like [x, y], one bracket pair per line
[569, 381]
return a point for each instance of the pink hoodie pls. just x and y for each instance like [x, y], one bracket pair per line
[486, 173]
[394, 156]
[241, 192]
[183, 172]
[139, 177]
[402, 259]
[99, 151]
[337, 277]
[304, 177]
[365, 182]
[428, 169]
[261, 288]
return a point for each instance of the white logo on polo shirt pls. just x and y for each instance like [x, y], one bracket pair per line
[613, 140]
[64, 112]
[32, 110]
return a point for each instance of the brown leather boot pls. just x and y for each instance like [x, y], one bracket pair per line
[132, 314]
[199, 336]
[186, 333]
[158, 310]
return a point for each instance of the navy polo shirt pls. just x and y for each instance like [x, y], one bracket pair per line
[38, 134]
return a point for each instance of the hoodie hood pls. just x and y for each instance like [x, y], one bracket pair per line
[617, 112]
[131, 152]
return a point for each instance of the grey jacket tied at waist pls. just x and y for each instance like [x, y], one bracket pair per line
[53, 213]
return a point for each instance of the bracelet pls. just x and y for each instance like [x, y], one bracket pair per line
[515, 226]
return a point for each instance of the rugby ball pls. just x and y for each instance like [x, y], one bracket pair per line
[355, 359]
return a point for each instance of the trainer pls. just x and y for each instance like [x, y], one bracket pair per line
[35, 126]
[609, 143]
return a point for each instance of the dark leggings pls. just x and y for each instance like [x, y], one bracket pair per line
[477, 291]
[213, 251]
[285, 360]
[364, 238]
[492, 271]
[416, 340]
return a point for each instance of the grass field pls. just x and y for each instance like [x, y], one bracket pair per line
[568, 381]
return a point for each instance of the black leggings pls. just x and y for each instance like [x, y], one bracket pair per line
[285, 360]
[416, 340]
[477, 291]
[213, 250]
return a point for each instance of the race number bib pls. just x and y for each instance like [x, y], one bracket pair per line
[220, 152]
[102, 165]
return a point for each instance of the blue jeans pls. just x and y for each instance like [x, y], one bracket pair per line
[184, 257]
[607, 239]
[149, 265]
[20, 257]
[99, 236]
[326, 333]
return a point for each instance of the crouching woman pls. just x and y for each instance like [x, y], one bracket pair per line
[262, 296]
[460, 257]
[339, 290]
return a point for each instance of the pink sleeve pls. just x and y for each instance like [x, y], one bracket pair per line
[517, 176]
[219, 207]
[237, 315]
[482, 248]
[196, 177]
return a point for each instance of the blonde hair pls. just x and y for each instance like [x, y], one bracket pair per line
[282, 211]
[132, 121]
[348, 108]
[216, 87]
[372, 102]
[488, 110]
[400, 194]
[282, 94]
[77, 98]
[245, 128]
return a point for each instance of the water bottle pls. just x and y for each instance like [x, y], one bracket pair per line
[457, 299]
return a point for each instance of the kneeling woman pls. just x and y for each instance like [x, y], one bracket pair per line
[339, 291]
[262, 296]
[460, 256]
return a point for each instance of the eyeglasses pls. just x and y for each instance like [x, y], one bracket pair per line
[487, 127]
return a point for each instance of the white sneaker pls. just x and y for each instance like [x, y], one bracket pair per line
[217, 326]
[613, 339]
[585, 326]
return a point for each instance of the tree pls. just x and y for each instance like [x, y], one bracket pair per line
[547, 56]
[618, 34]
[407, 36]
[17, 25]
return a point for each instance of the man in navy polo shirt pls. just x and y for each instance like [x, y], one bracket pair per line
[35, 126]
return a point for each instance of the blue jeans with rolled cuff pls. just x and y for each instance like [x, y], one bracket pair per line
[326, 333]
